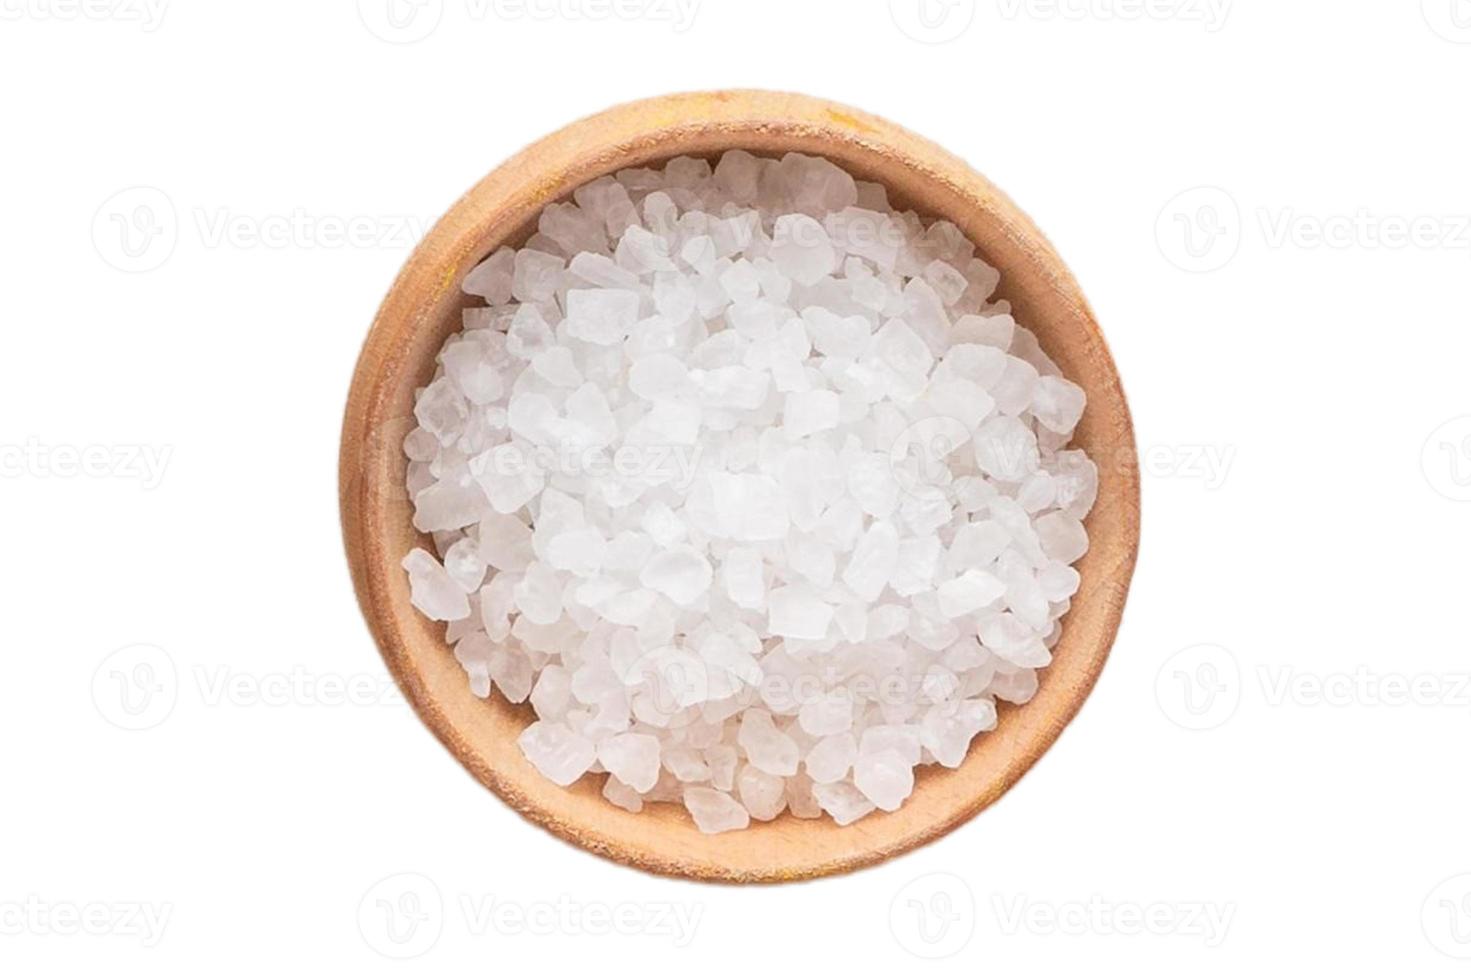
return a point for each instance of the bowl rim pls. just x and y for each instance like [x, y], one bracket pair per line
[496, 210]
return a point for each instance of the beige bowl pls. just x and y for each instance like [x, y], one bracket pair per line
[423, 308]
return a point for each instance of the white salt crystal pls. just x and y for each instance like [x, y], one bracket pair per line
[657, 376]
[969, 591]
[681, 573]
[842, 801]
[492, 277]
[1062, 537]
[558, 753]
[599, 270]
[601, 316]
[539, 594]
[873, 561]
[556, 365]
[1006, 449]
[830, 759]
[512, 673]
[505, 542]
[770, 750]
[431, 589]
[1016, 387]
[752, 507]
[463, 563]
[714, 812]
[528, 333]
[902, 349]
[827, 714]
[623, 796]
[447, 505]
[762, 794]
[871, 482]
[797, 613]
[801, 249]
[886, 778]
[807, 412]
[535, 275]
[1057, 403]
[578, 550]
[465, 364]
[976, 545]
[742, 575]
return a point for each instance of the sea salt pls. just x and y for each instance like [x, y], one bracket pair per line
[744, 481]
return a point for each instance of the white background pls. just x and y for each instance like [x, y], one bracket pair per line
[1295, 367]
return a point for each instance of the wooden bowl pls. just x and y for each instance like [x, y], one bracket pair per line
[423, 307]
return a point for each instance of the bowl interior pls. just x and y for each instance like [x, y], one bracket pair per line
[424, 308]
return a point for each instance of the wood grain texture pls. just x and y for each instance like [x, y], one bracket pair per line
[423, 308]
